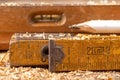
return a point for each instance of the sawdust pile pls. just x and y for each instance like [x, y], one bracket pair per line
[28, 73]
[7, 73]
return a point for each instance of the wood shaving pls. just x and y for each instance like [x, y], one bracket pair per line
[62, 36]
[28, 73]
[58, 2]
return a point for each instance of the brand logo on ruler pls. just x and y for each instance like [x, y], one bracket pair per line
[98, 50]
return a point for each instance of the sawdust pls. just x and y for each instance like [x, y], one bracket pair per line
[57, 2]
[28, 73]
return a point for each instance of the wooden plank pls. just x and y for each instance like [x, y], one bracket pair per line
[4, 40]
[15, 19]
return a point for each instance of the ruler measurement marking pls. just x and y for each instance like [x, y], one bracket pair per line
[68, 55]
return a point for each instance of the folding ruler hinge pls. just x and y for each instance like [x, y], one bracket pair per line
[56, 55]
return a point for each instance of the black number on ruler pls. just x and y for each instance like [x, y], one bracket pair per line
[95, 50]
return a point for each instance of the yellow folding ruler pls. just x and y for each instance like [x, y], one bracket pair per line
[66, 52]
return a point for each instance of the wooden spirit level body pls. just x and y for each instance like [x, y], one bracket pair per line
[24, 16]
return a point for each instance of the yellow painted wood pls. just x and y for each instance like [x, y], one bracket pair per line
[96, 54]
[27, 52]
[89, 55]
